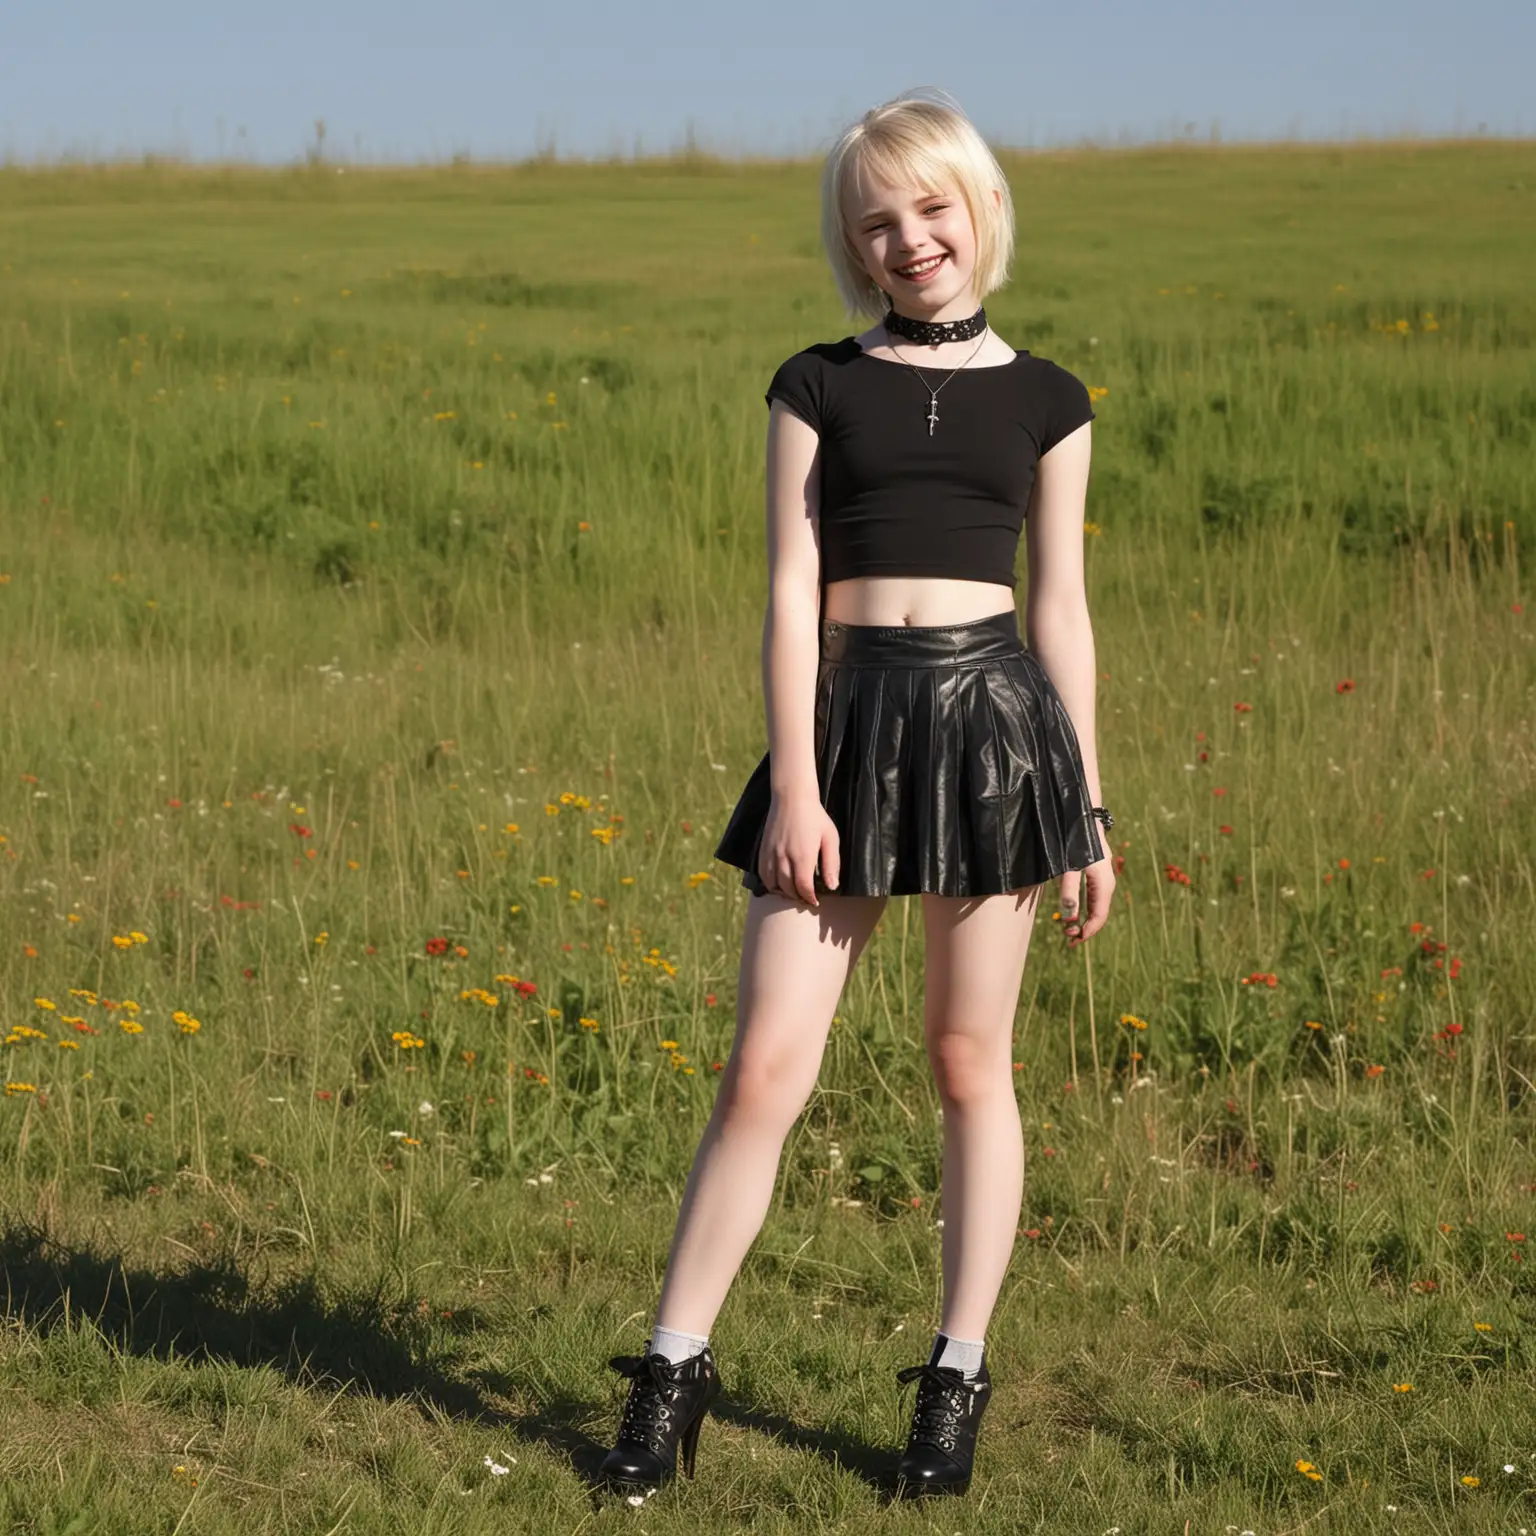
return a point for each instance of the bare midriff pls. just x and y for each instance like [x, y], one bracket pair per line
[892, 601]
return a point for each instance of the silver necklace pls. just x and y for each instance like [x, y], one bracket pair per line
[933, 394]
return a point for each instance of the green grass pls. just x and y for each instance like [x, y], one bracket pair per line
[382, 563]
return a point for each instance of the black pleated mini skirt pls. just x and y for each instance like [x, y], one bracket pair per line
[946, 760]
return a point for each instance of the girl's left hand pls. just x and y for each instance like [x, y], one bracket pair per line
[1100, 881]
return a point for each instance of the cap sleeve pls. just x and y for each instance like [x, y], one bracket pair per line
[798, 383]
[1067, 407]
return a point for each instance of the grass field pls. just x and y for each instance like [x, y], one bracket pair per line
[381, 584]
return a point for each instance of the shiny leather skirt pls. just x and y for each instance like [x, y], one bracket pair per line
[946, 760]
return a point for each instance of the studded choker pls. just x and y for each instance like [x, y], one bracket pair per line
[931, 332]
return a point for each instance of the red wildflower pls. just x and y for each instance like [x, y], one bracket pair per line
[299, 829]
[437, 946]
[1347, 686]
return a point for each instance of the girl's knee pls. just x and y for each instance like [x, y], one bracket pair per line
[966, 1069]
[766, 1087]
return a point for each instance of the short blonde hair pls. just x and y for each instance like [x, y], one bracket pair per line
[915, 141]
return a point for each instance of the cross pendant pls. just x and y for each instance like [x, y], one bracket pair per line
[933, 413]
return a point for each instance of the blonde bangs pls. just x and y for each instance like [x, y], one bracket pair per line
[914, 142]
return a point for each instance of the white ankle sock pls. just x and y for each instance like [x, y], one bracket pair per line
[677, 1347]
[964, 1354]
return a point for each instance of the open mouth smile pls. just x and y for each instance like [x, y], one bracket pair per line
[918, 271]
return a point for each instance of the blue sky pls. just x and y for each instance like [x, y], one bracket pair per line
[498, 80]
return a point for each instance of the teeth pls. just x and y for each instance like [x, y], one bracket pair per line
[921, 266]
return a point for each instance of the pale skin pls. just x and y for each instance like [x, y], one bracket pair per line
[798, 948]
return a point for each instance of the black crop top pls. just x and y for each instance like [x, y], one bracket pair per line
[897, 502]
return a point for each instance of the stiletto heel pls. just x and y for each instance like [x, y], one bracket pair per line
[666, 1408]
[690, 1444]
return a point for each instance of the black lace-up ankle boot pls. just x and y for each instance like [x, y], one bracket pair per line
[942, 1442]
[666, 1407]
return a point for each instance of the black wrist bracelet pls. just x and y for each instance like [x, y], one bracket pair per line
[1101, 813]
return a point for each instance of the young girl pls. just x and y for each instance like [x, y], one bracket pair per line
[916, 745]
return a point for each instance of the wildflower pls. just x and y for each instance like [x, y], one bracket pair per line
[1133, 1021]
[12, 1089]
[407, 1041]
[438, 946]
[668, 1045]
[185, 1022]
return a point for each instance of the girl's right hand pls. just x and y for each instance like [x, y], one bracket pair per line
[796, 834]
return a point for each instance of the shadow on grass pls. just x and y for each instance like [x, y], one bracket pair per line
[555, 1426]
[360, 1341]
[875, 1467]
[210, 1312]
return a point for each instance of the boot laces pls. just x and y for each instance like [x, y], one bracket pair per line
[941, 1405]
[653, 1390]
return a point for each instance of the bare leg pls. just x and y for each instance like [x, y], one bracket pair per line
[794, 963]
[975, 953]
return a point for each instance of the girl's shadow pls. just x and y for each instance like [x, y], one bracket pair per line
[557, 1427]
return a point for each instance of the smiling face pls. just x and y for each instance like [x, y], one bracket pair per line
[917, 243]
